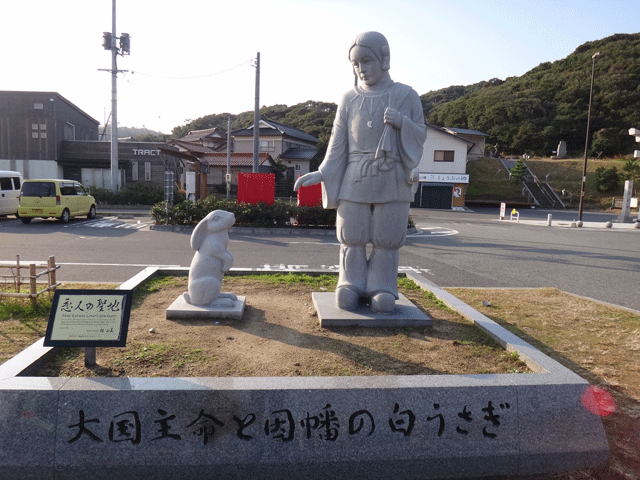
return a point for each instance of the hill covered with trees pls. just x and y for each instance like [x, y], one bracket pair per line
[531, 113]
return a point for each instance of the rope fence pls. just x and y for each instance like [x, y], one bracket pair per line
[19, 279]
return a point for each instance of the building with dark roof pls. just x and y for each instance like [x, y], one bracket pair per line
[293, 147]
[33, 127]
[239, 162]
[210, 139]
[204, 151]
[89, 162]
[476, 137]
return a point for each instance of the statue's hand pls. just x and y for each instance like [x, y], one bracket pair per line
[307, 179]
[393, 117]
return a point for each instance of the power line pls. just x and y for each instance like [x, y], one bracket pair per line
[194, 77]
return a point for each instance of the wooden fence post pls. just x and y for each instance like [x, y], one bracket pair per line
[17, 279]
[52, 272]
[32, 283]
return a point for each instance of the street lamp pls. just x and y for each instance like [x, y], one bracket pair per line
[586, 143]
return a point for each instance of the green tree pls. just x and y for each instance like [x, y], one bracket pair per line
[607, 142]
[519, 171]
[607, 179]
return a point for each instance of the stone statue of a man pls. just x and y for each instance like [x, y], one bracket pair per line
[367, 174]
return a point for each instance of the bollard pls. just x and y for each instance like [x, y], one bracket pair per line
[549, 217]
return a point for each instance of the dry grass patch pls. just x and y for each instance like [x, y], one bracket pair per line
[599, 342]
[602, 339]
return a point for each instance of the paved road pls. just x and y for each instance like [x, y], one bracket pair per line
[596, 262]
[467, 249]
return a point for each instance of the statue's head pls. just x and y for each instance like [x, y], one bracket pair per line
[377, 43]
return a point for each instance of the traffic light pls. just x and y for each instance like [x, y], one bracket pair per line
[125, 44]
[106, 40]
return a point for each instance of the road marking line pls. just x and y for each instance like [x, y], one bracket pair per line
[118, 265]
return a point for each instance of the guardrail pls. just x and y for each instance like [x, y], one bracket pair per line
[49, 268]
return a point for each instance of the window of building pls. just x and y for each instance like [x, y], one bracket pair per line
[298, 167]
[443, 155]
[34, 134]
[43, 134]
[267, 145]
[134, 171]
[69, 131]
[34, 126]
[43, 126]
[147, 171]
[38, 106]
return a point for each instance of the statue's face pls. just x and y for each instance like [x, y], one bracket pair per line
[366, 66]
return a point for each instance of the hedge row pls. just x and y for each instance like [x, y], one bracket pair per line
[280, 214]
[132, 194]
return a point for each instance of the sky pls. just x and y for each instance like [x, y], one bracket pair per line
[193, 58]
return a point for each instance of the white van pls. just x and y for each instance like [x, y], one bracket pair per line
[10, 183]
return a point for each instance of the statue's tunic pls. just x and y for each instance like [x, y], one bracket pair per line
[368, 161]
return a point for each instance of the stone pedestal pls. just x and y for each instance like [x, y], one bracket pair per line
[404, 314]
[181, 310]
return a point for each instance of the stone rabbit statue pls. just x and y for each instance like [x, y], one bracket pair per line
[210, 239]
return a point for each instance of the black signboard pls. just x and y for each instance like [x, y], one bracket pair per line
[89, 318]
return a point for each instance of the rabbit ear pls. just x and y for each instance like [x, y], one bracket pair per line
[199, 233]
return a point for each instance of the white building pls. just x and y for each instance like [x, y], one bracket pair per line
[443, 170]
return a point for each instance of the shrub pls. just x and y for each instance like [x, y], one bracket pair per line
[607, 179]
[132, 194]
[247, 215]
[103, 196]
[315, 216]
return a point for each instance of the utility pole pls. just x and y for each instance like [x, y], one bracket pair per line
[114, 103]
[256, 119]
[586, 142]
[110, 42]
[228, 177]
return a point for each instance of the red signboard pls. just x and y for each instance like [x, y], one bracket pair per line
[310, 196]
[254, 188]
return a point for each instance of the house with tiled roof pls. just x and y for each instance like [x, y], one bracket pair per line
[239, 162]
[205, 153]
[293, 147]
[212, 139]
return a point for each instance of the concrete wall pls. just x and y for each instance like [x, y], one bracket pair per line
[33, 168]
